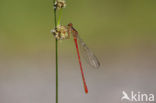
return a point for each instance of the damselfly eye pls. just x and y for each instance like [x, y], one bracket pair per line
[70, 24]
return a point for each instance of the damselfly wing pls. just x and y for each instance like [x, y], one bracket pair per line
[87, 54]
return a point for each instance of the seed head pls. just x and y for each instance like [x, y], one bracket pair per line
[61, 32]
[59, 4]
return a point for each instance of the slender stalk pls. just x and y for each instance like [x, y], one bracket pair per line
[55, 18]
[56, 42]
[59, 18]
[56, 59]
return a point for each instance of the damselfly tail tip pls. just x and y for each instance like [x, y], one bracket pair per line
[86, 89]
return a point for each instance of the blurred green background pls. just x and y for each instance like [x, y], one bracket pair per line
[25, 24]
[122, 33]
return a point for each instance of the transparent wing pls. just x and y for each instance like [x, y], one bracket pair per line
[87, 54]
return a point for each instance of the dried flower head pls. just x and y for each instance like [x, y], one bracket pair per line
[61, 32]
[59, 4]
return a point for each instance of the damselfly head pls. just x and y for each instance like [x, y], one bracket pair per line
[70, 24]
[60, 32]
[59, 4]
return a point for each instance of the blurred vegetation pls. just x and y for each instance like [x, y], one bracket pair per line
[25, 24]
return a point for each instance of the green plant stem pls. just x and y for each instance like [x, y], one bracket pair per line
[60, 15]
[56, 48]
[56, 70]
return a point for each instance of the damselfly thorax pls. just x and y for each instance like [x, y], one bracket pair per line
[72, 30]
